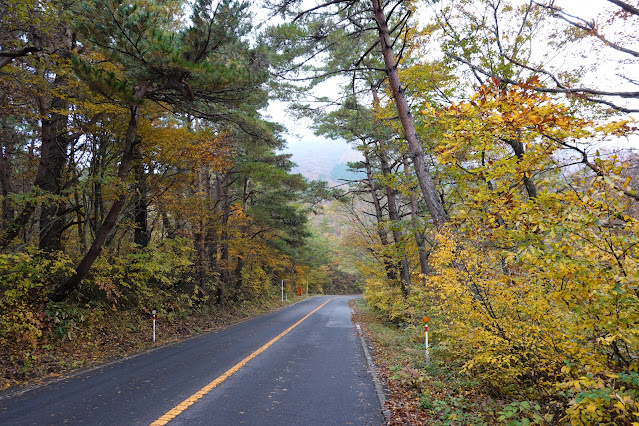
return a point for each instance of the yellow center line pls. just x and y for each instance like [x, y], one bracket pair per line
[171, 414]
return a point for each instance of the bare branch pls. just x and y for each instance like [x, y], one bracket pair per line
[589, 27]
[561, 89]
[625, 6]
[585, 160]
[299, 15]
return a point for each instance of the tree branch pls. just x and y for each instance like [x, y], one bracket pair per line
[304, 12]
[7, 56]
[584, 159]
[561, 90]
[625, 6]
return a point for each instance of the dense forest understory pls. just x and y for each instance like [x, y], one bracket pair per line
[498, 194]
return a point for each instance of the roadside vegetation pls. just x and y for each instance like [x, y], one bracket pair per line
[440, 392]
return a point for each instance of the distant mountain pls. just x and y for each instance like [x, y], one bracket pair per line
[323, 159]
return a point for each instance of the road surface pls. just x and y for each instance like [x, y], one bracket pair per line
[302, 365]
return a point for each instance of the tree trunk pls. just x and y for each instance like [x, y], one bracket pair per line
[51, 221]
[200, 235]
[140, 209]
[238, 277]
[224, 242]
[169, 230]
[23, 217]
[393, 212]
[6, 174]
[391, 268]
[518, 149]
[214, 234]
[426, 183]
[52, 159]
[62, 291]
[201, 238]
[419, 237]
[240, 262]
[97, 203]
[393, 215]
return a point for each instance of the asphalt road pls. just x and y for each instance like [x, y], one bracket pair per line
[314, 374]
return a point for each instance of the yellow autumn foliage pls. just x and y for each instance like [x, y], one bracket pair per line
[540, 291]
[535, 282]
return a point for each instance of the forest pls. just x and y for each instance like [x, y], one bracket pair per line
[497, 191]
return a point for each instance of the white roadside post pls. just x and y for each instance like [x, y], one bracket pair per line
[306, 285]
[282, 290]
[426, 339]
[153, 312]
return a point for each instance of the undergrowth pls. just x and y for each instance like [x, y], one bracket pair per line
[439, 393]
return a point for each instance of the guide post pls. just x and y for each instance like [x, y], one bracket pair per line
[426, 339]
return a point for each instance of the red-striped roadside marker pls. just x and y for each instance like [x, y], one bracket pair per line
[426, 319]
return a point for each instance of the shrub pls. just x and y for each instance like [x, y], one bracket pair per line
[25, 280]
